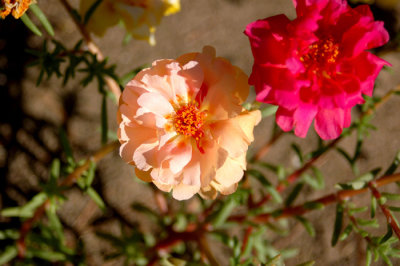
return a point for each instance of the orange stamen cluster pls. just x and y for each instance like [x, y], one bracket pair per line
[320, 53]
[16, 7]
[188, 121]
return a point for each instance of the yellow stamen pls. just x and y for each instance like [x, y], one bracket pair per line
[324, 51]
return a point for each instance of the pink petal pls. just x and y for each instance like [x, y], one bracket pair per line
[347, 117]
[303, 117]
[268, 39]
[329, 123]
[284, 118]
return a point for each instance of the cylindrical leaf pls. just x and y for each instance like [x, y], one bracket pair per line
[28, 22]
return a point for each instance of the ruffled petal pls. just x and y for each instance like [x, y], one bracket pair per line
[184, 192]
[329, 123]
[234, 135]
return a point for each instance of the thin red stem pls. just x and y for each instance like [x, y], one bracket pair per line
[247, 235]
[388, 214]
[325, 201]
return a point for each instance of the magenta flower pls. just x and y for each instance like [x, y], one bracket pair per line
[316, 66]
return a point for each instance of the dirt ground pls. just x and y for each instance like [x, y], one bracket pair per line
[31, 116]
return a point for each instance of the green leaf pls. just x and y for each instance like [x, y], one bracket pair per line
[385, 259]
[307, 225]
[268, 111]
[346, 232]
[293, 194]
[289, 253]
[368, 257]
[104, 121]
[320, 184]
[382, 200]
[393, 166]
[9, 234]
[338, 224]
[9, 253]
[395, 209]
[66, 147]
[96, 198]
[42, 18]
[268, 166]
[268, 186]
[345, 155]
[224, 212]
[28, 209]
[172, 262]
[146, 210]
[357, 210]
[391, 196]
[55, 169]
[365, 222]
[316, 182]
[98, 70]
[387, 236]
[181, 222]
[308, 263]
[273, 261]
[89, 176]
[90, 11]
[360, 181]
[55, 224]
[28, 22]
[48, 255]
[311, 205]
[298, 152]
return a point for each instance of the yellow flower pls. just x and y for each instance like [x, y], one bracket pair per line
[16, 7]
[140, 17]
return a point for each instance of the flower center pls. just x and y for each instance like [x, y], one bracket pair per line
[188, 121]
[320, 53]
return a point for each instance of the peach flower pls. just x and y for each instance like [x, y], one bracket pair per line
[182, 125]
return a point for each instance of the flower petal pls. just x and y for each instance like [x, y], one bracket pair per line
[184, 192]
[329, 123]
[234, 135]
[231, 171]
